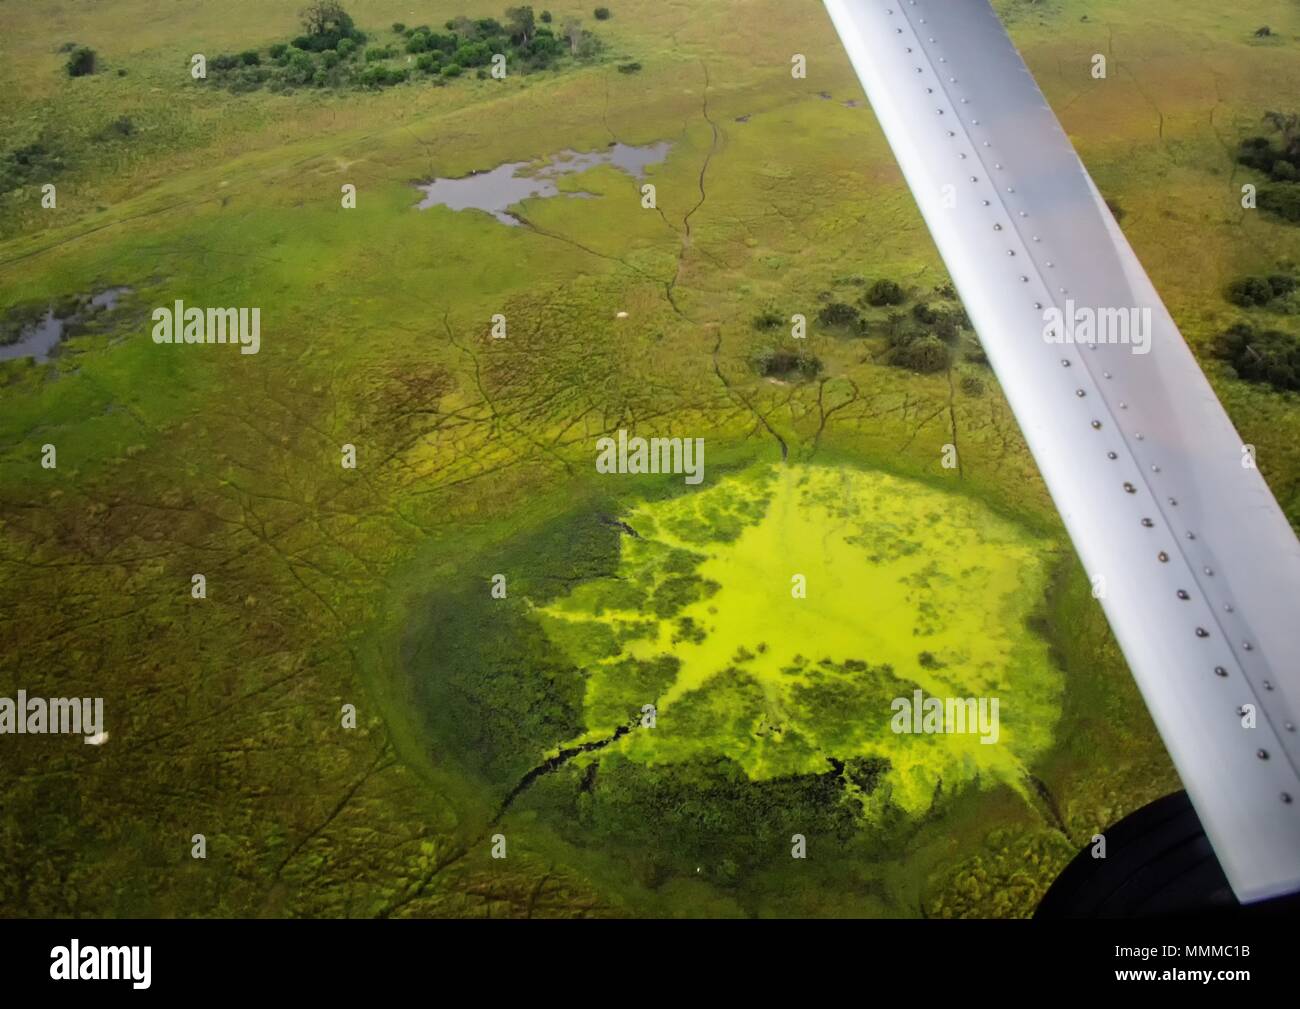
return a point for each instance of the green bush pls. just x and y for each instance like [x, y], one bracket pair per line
[884, 292]
[1257, 153]
[926, 354]
[301, 68]
[788, 365]
[1267, 356]
[1282, 200]
[32, 162]
[451, 70]
[379, 76]
[1248, 292]
[601, 13]
[839, 315]
[278, 50]
[82, 62]
[399, 28]
[474, 54]
[250, 58]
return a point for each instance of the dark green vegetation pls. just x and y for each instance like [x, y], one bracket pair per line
[929, 339]
[788, 365]
[371, 586]
[36, 162]
[333, 52]
[1271, 292]
[1278, 157]
[81, 62]
[1263, 355]
[1263, 352]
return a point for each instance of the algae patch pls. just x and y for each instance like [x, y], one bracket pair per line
[908, 588]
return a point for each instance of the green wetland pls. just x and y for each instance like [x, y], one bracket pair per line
[653, 692]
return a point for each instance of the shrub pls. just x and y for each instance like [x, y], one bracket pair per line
[972, 385]
[250, 58]
[601, 13]
[278, 50]
[546, 16]
[346, 47]
[1282, 200]
[28, 163]
[327, 19]
[1268, 356]
[1282, 284]
[884, 292]
[788, 365]
[429, 63]
[838, 314]
[475, 54]
[301, 68]
[81, 62]
[926, 355]
[451, 70]
[247, 78]
[628, 68]
[1257, 153]
[1248, 292]
[924, 314]
[398, 27]
[377, 76]
[768, 319]
[945, 328]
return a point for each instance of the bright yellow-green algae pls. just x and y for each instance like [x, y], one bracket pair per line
[907, 587]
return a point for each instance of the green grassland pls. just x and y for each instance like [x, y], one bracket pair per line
[371, 586]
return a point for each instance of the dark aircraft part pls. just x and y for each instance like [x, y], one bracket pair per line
[1158, 863]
